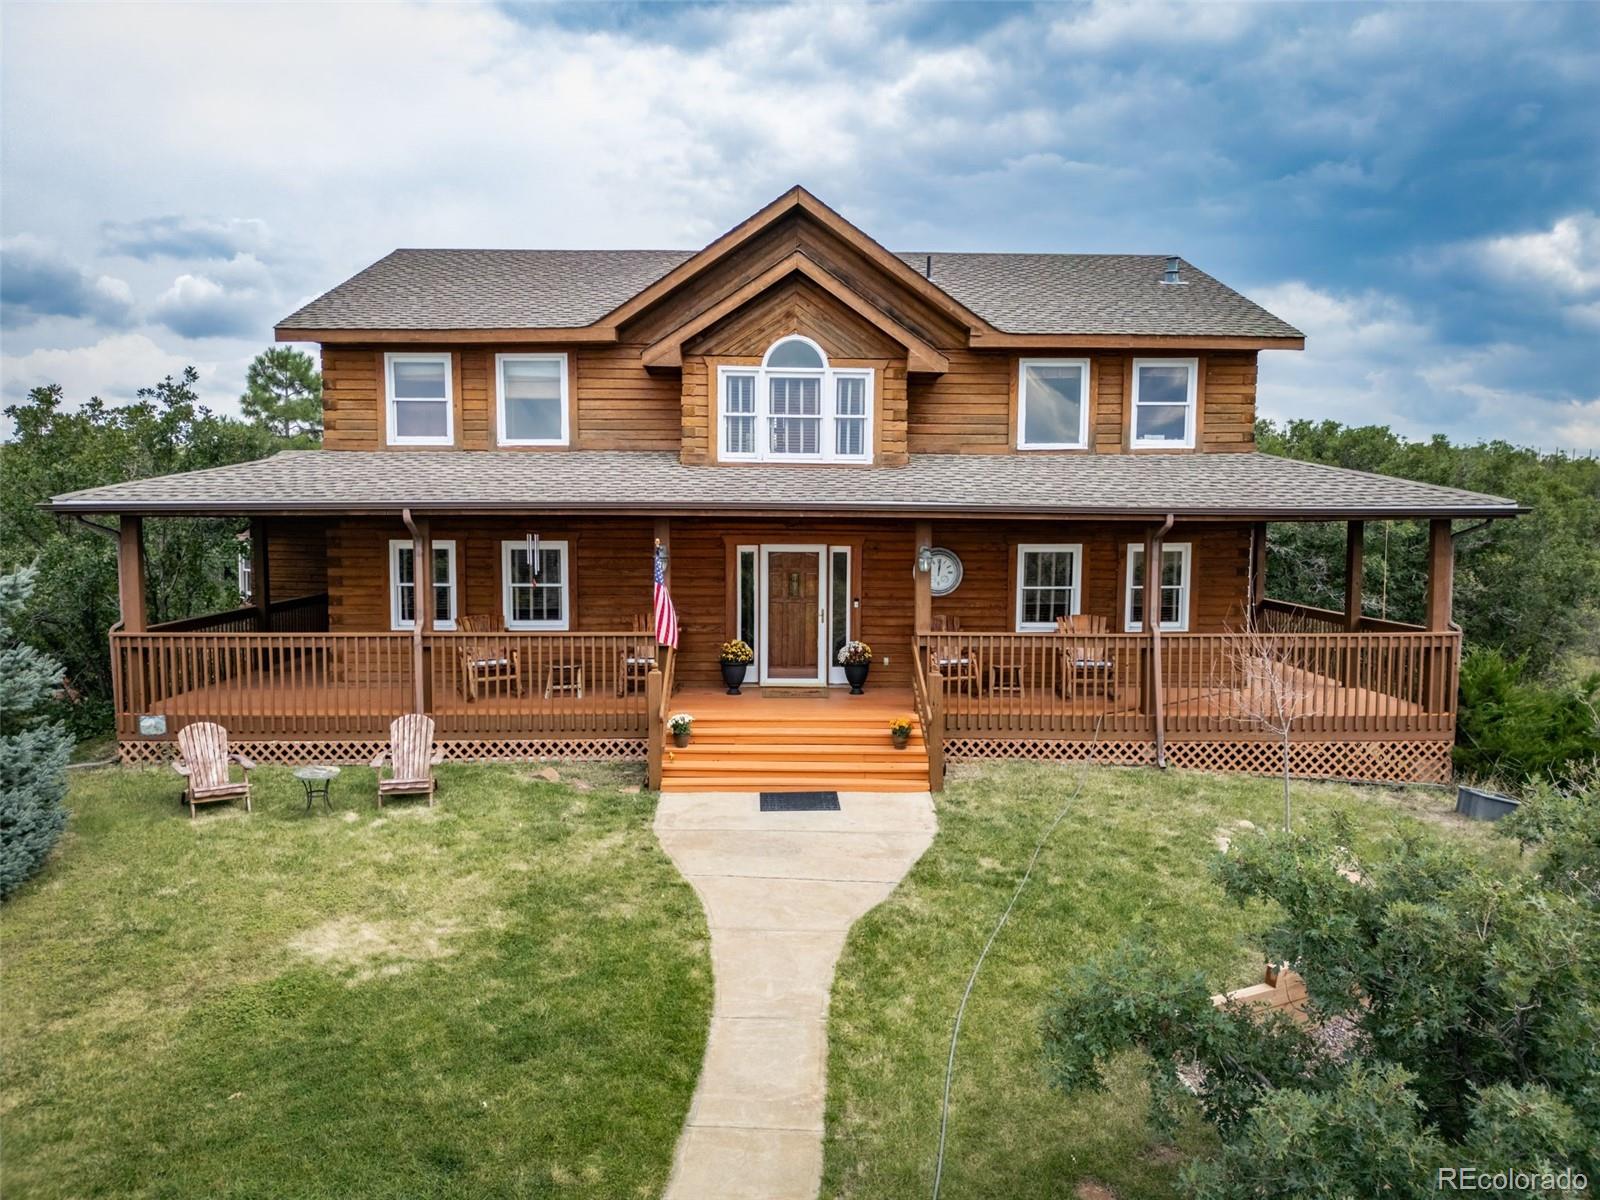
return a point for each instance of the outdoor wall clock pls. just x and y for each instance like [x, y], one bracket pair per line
[944, 574]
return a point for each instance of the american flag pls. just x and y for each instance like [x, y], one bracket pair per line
[666, 614]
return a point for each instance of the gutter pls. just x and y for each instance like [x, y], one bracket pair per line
[1153, 572]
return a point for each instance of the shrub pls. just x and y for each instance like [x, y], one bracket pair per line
[33, 748]
[1471, 995]
[1515, 729]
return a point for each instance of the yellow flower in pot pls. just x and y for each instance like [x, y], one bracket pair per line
[900, 732]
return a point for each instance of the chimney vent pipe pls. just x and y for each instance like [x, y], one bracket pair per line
[1170, 275]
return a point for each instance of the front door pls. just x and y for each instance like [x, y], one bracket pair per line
[795, 609]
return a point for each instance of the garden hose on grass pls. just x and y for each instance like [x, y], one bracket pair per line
[961, 1009]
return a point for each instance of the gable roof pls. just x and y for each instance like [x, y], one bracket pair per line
[1237, 486]
[1092, 295]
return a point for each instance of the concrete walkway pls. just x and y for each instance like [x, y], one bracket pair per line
[780, 891]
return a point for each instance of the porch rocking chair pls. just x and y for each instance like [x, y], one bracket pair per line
[488, 665]
[203, 759]
[638, 659]
[958, 662]
[411, 756]
[1086, 655]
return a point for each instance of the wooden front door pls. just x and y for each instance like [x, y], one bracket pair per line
[792, 644]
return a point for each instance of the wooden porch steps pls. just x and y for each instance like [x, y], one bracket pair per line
[763, 746]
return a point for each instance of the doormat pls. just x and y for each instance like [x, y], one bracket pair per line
[799, 801]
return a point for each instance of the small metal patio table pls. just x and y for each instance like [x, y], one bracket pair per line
[317, 780]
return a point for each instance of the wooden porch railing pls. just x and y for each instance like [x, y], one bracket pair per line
[301, 614]
[928, 695]
[1400, 684]
[1284, 616]
[351, 685]
[658, 699]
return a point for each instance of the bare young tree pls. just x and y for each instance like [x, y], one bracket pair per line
[1262, 685]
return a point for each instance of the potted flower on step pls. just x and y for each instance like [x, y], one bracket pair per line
[736, 660]
[900, 732]
[855, 658]
[679, 725]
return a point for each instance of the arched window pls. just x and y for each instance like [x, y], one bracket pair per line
[795, 407]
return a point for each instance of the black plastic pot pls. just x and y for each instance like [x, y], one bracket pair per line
[856, 673]
[733, 676]
[1479, 805]
[900, 740]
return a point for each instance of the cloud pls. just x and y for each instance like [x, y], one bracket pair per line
[184, 237]
[1565, 257]
[200, 306]
[113, 368]
[38, 281]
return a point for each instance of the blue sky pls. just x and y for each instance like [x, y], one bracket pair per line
[1415, 186]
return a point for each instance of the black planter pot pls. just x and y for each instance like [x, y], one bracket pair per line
[856, 673]
[733, 676]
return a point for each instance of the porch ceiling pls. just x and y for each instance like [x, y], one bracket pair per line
[1189, 486]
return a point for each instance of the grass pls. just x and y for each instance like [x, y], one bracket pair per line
[503, 995]
[1130, 860]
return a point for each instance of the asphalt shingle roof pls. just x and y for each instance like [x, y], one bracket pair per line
[1257, 486]
[1113, 294]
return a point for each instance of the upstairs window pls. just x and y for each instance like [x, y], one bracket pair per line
[531, 392]
[1053, 404]
[1164, 403]
[795, 407]
[419, 402]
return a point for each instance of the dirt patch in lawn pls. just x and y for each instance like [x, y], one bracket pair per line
[372, 948]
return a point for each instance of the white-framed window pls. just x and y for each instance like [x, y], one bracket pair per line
[1164, 403]
[403, 584]
[794, 407]
[420, 407]
[246, 572]
[1049, 585]
[1174, 587]
[1053, 404]
[535, 600]
[531, 399]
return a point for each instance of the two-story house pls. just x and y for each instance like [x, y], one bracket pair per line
[1028, 481]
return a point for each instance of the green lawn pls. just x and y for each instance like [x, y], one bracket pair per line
[506, 995]
[1130, 859]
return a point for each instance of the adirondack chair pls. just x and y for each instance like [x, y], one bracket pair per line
[203, 760]
[411, 757]
[635, 662]
[1086, 655]
[958, 662]
[488, 665]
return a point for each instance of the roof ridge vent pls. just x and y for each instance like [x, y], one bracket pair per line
[1171, 273]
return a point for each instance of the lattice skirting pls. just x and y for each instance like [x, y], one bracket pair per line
[1365, 762]
[471, 750]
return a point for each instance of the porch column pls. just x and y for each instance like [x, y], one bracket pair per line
[923, 607]
[130, 574]
[1441, 574]
[1258, 569]
[422, 591]
[1354, 560]
[260, 580]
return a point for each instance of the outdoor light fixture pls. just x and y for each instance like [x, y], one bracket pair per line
[925, 559]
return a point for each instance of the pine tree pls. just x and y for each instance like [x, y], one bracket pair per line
[283, 393]
[33, 748]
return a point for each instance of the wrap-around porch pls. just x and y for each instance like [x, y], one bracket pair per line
[311, 676]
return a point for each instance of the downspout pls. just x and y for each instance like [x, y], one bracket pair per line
[417, 689]
[1152, 572]
[80, 519]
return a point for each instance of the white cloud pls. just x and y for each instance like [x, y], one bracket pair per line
[113, 368]
[198, 306]
[1565, 257]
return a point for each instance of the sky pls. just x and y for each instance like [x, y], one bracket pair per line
[1417, 187]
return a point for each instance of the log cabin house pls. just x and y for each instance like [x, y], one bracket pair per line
[942, 455]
